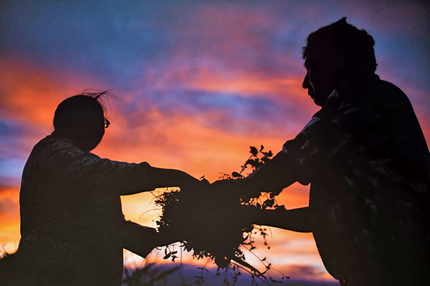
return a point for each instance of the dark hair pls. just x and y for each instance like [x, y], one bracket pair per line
[77, 111]
[342, 43]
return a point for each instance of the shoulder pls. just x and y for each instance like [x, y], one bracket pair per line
[392, 104]
[386, 86]
[371, 90]
[361, 102]
[56, 146]
[53, 150]
[389, 94]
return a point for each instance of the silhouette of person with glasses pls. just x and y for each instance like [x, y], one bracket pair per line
[72, 228]
[368, 164]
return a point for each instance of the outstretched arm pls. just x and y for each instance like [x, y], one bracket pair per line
[296, 219]
[160, 178]
[141, 239]
[278, 173]
[113, 177]
[275, 175]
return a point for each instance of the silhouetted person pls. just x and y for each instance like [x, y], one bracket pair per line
[368, 164]
[72, 227]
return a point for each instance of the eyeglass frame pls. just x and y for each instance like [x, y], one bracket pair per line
[106, 123]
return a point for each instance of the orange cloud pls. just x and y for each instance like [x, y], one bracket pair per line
[31, 91]
[295, 196]
[176, 140]
[9, 217]
[171, 140]
[30, 94]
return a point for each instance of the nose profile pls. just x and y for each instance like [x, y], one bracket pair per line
[305, 83]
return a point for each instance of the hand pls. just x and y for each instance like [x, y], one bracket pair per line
[137, 238]
[252, 214]
[242, 188]
[141, 239]
[194, 183]
[230, 185]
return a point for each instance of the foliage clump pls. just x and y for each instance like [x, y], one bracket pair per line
[210, 221]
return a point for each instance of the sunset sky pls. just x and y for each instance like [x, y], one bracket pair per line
[197, 83]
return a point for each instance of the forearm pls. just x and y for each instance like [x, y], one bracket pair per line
[276, 174]
[149, 178]
[137, 238]
[296, 219]
[159, 178]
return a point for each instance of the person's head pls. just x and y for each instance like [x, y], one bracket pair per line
[336, 53]
[81, 118]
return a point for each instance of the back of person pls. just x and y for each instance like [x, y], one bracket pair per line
[372, 196]
[70, 228]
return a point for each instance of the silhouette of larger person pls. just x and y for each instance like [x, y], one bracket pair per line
[72, 228]
[368, 164]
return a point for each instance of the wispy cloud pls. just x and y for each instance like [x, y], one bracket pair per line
[199, 82]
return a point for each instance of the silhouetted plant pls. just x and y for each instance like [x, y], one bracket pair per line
[209, 223]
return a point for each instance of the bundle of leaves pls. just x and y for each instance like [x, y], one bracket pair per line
[209, 220]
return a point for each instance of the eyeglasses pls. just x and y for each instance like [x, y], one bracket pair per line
[106, 123]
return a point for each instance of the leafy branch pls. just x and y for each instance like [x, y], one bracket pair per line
[209, 223]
